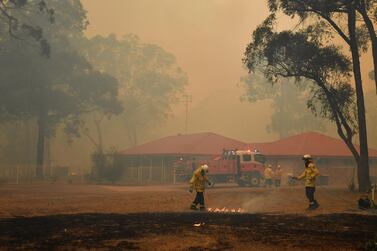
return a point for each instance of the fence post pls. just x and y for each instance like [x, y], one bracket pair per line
[174, 174]
[17, 173]
[150, 170]
[162, 170]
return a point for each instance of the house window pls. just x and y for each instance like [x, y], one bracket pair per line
[246, 157]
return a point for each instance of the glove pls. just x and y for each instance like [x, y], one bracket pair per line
[190, 190]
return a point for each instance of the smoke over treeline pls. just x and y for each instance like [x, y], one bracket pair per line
[112, 80]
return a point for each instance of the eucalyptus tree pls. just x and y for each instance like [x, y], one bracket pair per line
[150, 78]
[55, 90]
[288, 101]
[299, 55]
[325, 20]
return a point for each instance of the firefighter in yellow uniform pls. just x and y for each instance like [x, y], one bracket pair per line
[198, 182]
[310, 174]
[268, 174]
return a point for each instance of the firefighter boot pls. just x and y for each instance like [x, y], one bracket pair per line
[193, 207]
[313, 206]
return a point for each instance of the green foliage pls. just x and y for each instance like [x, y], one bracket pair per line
[14, 20]
[327, 16]
[149, 78]
[62, 87]
[290, 115]
[59, 89]
[301, 56]
[258, 88]
[320, 21]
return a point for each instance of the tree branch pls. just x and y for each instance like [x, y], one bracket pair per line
[328, 19]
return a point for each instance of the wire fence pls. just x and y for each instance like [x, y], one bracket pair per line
[21, 173]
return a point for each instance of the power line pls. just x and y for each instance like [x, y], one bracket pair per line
[186, 99]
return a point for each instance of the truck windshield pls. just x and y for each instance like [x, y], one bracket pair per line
[229, 155]
[260, 158]
[246, 157]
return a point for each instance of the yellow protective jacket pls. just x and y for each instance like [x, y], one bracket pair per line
[268, 174]
[198, 181]
[310, 174]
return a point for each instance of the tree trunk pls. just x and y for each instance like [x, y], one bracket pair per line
[344, 130]
[372, 33]
[101, 161]
[41, 123]
[363, 165]
[97, 123]
[132, 135]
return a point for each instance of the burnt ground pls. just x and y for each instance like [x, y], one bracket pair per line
[83, 217]
[176, 231]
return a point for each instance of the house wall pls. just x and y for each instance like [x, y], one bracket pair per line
[144, 169]
[156, 169]
[160, 169]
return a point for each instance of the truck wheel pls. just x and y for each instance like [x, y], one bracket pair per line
[254, 181]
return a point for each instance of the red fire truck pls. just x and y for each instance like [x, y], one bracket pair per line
[245, 167]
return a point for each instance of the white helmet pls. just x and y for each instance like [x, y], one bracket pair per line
[306, 156]
[205, 167]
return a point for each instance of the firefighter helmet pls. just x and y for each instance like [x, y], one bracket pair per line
[205, 167]
[306, 156]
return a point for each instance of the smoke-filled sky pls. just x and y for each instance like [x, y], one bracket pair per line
[208, 38]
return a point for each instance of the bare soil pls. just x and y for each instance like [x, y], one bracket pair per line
[80, 217]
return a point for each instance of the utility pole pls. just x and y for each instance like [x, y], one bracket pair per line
[186, 99]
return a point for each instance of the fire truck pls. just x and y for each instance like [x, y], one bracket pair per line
[245, 167]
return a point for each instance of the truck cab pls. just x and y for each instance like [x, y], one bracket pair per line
[250, 167]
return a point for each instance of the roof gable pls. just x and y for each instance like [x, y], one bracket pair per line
[312, 143]
[189, 144]
[208, 143]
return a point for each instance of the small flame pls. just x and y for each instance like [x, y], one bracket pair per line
[225, 210]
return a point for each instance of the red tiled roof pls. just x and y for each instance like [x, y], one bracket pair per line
[190, 144]
[312, 143]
